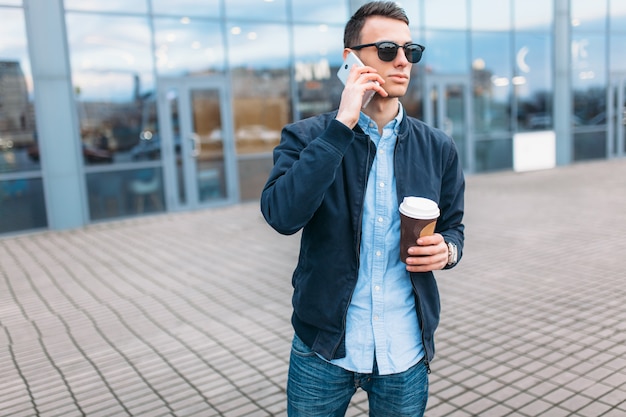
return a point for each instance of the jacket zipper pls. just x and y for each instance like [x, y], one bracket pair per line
[358, 245]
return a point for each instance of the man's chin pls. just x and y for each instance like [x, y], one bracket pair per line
[397, 90]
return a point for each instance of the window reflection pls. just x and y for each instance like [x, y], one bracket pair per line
[114, 86]
[22, 205]
[259, 56]
[208, 144]
[10, 2]
[191, 46]
[533, 15]
[125, 193]
[411, 8]
[492, 79]
[275, 10]
[589, 145]
[437, 14]
[589, 79]
[133, 6]
[617, 58]
[493, 155]
[587, 15]
[326, 11]
[617, 17]
[17, 111]
[187, 7]
[490, 15]
[533, 81]
[446, 52]
[261, 77]
[318, 55]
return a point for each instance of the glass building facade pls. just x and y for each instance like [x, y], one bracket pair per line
[118, 108]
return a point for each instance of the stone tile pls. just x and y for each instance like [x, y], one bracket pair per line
[162, 312]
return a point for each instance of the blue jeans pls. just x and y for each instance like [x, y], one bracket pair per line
[318, 388]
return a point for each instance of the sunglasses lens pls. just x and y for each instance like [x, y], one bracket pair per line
[413, 53]
[387, 51]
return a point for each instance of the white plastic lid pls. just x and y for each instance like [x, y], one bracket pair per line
[419, 208]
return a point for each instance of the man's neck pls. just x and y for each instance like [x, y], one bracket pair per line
[382, 111]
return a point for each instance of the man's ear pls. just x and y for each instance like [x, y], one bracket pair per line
[346, 51]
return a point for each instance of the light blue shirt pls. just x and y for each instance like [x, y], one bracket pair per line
[381, 317]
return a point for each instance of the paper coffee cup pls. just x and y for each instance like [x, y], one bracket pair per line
[418, 217]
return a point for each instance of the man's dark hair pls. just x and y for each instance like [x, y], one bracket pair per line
[352, 32]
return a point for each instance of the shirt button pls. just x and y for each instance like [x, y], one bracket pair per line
[376, 317]
[382, 185]
[382, 152]
[378, 253]
[377, 288]
[380, 220]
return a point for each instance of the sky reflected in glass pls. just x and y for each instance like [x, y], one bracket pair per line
[120, 6]
[617, 58]
[446, 52]
[187, 7]
[437, 14]
[258, 45]
[109, 53]
[533, 15]
[314, 42]
[326, 11]
[490, 15]
[588, 15]
[618, 16]
[188, 47]
[412, 10]
[271, 10]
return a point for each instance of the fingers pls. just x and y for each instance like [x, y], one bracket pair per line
[430, 254]
[426, 263]
[360, 80]
[363, 75]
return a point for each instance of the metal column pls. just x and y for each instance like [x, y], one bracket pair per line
[57, 121]
[562, 107]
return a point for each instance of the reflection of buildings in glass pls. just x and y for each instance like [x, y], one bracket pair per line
[483, 96]
[318, 87]
[261, 104]
[16, 113]
[115, 125]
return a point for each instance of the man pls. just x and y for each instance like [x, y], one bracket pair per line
[362, 318]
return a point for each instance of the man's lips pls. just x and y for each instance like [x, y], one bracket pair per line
[399, 76]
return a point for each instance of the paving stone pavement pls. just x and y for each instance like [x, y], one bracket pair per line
[187, 314]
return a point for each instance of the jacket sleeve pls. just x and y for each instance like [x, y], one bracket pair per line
[452, 202]
[304, 168]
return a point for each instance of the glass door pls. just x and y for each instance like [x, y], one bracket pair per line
[198, 146]
[447, 107]
[616, 116]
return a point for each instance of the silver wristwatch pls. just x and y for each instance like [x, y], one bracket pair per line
[453, 254]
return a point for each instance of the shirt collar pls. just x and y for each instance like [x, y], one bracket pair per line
[366, 122]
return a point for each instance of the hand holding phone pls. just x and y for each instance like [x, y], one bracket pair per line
[344, 71]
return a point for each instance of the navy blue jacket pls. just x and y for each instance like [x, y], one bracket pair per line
[318, 186]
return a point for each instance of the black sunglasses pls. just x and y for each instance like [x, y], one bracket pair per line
[387, 50]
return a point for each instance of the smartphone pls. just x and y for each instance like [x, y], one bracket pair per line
[344, 71]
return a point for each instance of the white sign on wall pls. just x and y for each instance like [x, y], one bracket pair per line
[534, 150]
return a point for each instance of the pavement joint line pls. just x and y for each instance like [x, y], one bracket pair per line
[533, 321]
